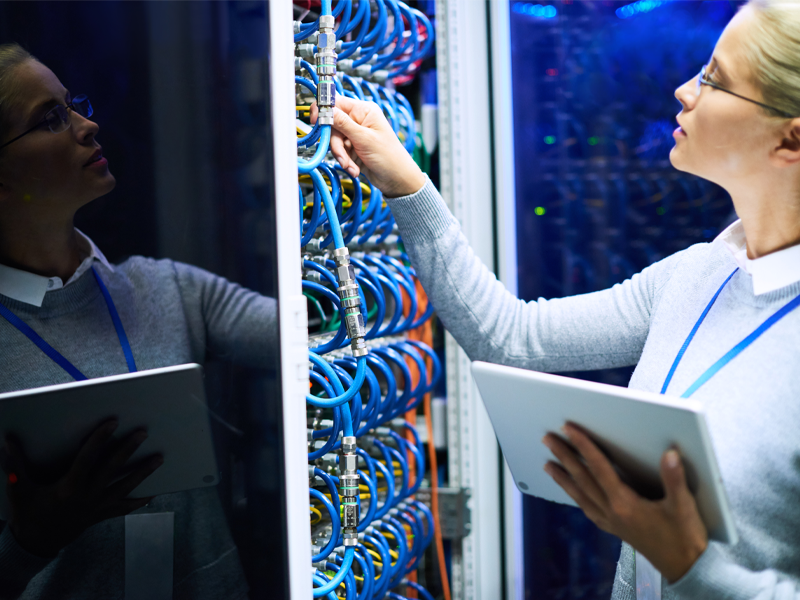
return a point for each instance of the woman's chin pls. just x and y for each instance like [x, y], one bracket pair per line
[677, 160]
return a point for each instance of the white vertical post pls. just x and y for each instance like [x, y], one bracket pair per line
[466, 182]
[293, 319]
[505, 194]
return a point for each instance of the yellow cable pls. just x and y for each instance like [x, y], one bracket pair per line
[317, 513]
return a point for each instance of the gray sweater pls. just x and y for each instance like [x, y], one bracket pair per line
[172, 314]
[752, 405]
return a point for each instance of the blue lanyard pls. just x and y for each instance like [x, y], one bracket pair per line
[733, 352]
[54, 354]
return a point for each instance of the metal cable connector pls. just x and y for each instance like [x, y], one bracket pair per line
[326, 69]
[348, 486]
[351, 302]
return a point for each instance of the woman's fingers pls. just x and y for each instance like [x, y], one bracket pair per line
[597, 463]
[117, 458]
[563, 478]
[673, 475]
[576, 469]
[340, 152]
[343, 123]
[89, 453]
[127, 484]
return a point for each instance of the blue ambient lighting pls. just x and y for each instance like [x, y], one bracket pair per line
[642, 6]
[535, 10]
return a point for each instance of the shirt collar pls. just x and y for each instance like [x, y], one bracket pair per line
[30, 288]
[768, 273]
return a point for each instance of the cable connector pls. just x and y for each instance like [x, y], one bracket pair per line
[326, 69]
[351, 302]
[348, 489]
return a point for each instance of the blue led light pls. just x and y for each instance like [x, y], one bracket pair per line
[535, 10]
[642, 6]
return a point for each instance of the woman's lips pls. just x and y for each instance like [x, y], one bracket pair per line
[100, 162]
[679, 133]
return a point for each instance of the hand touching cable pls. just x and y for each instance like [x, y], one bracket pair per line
[363, 141]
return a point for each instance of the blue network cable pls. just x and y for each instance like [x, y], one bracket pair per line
[361, 393]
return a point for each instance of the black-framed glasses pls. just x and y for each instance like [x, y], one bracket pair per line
[701, 80]
[57, 118]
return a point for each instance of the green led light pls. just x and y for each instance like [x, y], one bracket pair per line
[661, 210]
[593, 141]
[539, 211]
[549, 139]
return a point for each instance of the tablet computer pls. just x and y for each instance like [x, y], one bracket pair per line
[632, 427]
[53, 422]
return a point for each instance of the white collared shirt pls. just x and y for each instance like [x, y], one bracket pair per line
[768, 273]
[30, 288]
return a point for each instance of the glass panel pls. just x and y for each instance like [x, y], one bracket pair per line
[180, 92]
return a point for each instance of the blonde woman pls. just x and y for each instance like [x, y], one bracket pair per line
[739, 127]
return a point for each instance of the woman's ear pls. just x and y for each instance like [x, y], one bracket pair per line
[788, 152]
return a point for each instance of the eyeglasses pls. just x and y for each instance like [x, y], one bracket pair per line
[701, 80]
[57, 118]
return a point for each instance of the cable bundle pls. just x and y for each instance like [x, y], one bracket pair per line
[366, 461]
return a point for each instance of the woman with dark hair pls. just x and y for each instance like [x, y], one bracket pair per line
[65, 538]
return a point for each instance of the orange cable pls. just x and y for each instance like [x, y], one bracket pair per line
[424, 333]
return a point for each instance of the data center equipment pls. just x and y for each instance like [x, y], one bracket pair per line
[372, 365]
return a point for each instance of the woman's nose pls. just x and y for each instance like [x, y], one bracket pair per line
[85, 129]
[687, 93]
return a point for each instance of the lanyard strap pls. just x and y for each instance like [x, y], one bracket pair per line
[733, 352]
[123, 339]
[54, 354]
[702, 318]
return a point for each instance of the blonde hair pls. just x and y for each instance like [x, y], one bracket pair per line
[11, 56]
[774, 55]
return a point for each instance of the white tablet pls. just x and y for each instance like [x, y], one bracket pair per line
[52, 422]
[633, 428]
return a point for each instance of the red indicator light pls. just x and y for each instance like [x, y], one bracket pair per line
[12, 478]
[552, 72]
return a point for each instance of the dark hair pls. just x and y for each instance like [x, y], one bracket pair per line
[11, 56]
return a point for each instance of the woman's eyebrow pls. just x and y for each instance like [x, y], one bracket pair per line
[719, 72]
[46, 104]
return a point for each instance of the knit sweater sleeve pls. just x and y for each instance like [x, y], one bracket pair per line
[236, 324]
[17, 566]
[592, 331]
[713, 575]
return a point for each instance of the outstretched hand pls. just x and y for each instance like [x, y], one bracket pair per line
[363, 142]
[668, 532]
[46, 517]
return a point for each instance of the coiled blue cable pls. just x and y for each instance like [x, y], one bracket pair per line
[373, 501]
[322, 580]
[332, 432]
[334, 298]
[421, 590]
[388, 475]
[347, 563]
[310, 166]
[344, 397]
[335, 523]
[349, 579]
